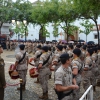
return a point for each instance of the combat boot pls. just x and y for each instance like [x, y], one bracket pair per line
[44, 96]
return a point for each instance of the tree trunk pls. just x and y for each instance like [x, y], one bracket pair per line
[41, 37]
[86, 38]
[97, 31]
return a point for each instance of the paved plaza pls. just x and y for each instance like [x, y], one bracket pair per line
[33, 90]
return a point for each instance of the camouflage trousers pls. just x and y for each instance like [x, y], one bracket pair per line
[87, 75]
[43, 78]
[76, 93]
[22, 75]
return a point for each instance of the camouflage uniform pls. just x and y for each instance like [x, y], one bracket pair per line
[57, 59]
[98, 63]
[7, 45]
[63, 76]
[2, 79]
[36, 56]
[11, 45]
[88, 73]
[76, 63]
[94, 69]
[44, 72]
[22, 66]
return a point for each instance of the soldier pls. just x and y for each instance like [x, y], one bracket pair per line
[21, 65]
[2, 76]
[64, 82]
[11, 45]
[70, 51]
[36, 58]
[95, 72]
[87, 73]
[44, 72]
[7, 45]
[56, 59]
[98, 63]
[76, 70]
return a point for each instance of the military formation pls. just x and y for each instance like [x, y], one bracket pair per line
[74, 64]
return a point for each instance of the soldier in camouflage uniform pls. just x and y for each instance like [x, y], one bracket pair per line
[11, 45]
[56, 59]
[36, 58]
[87, 72]
[2, 76]
[76, 70]
[23, 65]
[70, 51]
[64, 81]
[7, 45]
[98, 63]
[94, 67]
[44, 72]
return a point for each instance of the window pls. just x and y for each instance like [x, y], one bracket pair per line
[95, 36]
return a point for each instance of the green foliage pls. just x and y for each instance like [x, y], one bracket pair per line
[88, 28]
[55, 30]
[20, 29]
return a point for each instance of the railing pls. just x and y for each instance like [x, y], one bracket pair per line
[88, 95]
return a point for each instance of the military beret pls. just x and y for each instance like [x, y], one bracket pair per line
[45, 48]
[60, 47]
[65, 55]
[22, 46]
[77, 51]
[39, 46]
[90, 51]
[78, 45]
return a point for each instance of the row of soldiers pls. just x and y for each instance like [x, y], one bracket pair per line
[84, 64]
[30, 46]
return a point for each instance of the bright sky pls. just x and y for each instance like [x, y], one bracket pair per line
[29, 0]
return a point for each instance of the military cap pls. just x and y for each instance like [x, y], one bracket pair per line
[77, 51]
[84, 47]
[39, 46]
[22, 46]
[78, 45]
[45, 48]
[60, 47]
[65, 56]
[71, 46]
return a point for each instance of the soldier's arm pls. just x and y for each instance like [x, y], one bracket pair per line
[75, 69]
[86, 67]
[59, 85]
[2, 76]
[40, 62]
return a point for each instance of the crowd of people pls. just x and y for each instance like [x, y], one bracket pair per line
[73, 64]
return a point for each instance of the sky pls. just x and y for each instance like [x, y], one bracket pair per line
[29, 0]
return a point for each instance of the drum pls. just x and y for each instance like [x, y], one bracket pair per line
[31, 62]
[13, 73]
[33, 72]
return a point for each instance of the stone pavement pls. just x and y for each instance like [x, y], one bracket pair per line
[33, 90]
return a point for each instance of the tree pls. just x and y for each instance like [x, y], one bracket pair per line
[88, 9]
[88, 26]
[55, 30]
[5, 15]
